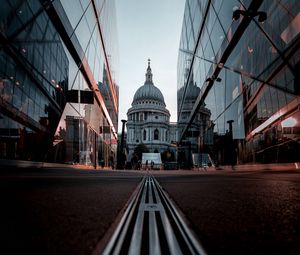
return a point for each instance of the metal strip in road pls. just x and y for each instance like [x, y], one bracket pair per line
[151, 224]
[154, 248]
[136, 240]
[114, 245]
[186, 233]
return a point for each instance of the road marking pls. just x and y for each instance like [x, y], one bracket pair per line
[151, 224]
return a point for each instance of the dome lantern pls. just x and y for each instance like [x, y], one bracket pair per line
[149, 73]
[148, 91]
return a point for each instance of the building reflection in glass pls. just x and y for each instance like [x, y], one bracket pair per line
[53, 56]
[247, 71]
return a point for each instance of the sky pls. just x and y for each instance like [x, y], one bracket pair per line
[148, 29]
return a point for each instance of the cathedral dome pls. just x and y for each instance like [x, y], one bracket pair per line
[148, 91]
[192, 92]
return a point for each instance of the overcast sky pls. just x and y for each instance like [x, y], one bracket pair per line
[148, 29]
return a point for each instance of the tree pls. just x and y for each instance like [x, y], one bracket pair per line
[140, 149]
[167, 156]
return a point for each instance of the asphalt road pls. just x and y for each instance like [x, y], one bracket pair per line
[60, 211]
[240, 212]
[68, 211]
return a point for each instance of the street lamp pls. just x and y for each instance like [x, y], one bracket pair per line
[213, 78]
[262, 16]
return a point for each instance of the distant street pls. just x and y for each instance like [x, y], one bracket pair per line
[68, 211]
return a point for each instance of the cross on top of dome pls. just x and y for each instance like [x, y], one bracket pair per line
[149, 73]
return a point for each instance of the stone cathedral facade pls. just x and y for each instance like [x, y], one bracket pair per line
[148, 120]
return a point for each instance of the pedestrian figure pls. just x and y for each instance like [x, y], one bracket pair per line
[152, 164]
[111, 161]
[134, 161]
[147, 164]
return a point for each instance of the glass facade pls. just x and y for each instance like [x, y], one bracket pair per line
[58, 81]
[238, 80]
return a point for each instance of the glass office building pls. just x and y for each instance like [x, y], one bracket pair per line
[56, 59]
[238, 80]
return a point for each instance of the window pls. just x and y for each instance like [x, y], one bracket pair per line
[145, 135]
[156, 134]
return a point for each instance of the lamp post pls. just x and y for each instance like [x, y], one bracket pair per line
[230, 128]
[231, 145]
[95, 150]
[122, 135]
[120, 157]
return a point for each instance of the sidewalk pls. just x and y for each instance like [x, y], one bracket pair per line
[244, 167]
[34, 164]
[273, 166]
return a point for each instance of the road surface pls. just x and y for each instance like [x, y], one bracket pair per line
[69, 211]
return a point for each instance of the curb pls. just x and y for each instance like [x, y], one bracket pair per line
[278, 166]
[36, 164]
